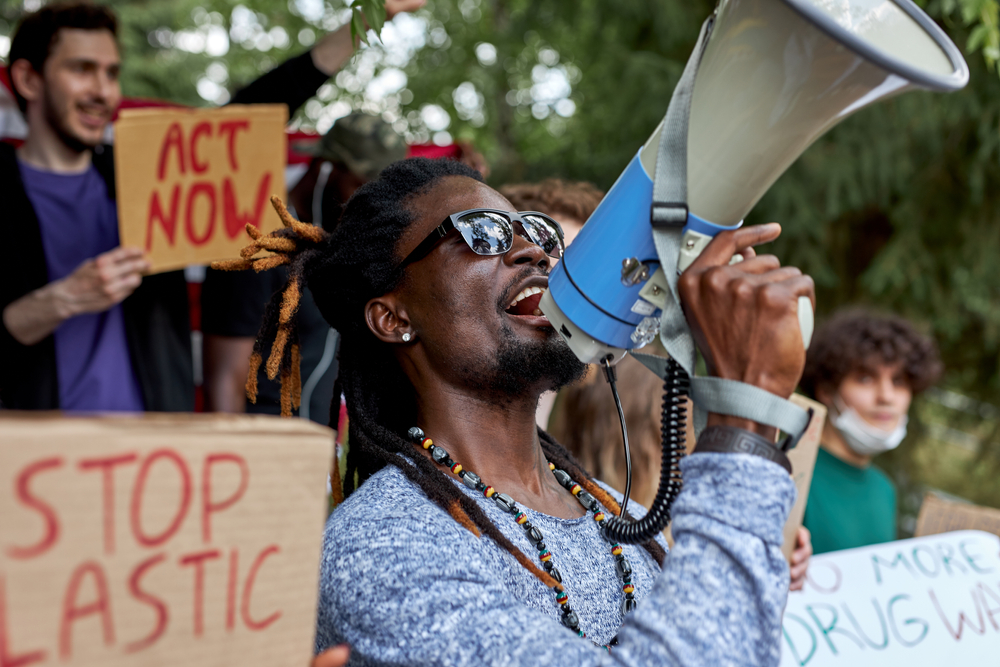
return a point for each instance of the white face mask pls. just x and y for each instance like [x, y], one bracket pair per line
[861, 436]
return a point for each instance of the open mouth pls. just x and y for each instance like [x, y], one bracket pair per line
[526, 302]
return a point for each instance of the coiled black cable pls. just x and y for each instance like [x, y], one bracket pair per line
[676, 387]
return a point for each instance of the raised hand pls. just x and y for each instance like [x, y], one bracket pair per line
[393, 7]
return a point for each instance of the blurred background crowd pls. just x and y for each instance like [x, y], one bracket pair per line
[895, 210]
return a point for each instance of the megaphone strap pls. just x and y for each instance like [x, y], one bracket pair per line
[737, 399]
[669, 211]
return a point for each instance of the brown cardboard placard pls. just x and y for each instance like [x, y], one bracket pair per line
[189, 180]
[803, 460]
[941, 516]
[160, 540]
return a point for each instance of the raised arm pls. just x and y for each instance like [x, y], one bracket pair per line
[297, 79]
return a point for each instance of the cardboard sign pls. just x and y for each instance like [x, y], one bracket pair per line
[929, 601]
[160, 540]
[940, 516]
[189, 180]
[803, 460]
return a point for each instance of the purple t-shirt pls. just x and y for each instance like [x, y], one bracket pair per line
[79, 222]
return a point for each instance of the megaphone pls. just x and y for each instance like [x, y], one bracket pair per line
[766, 79]
[774, 75]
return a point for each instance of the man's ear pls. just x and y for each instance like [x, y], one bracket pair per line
[26, 80]
[386, 318]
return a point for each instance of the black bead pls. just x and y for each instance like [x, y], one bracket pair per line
[534, 534]
[630, 596]
[562, 477]
[480, 486]
[505, 502]
[438, 454]
[416, 434]
[625, 568]
[554, 572]
[540, 546]
[585, 499]
[571, 621]
[548, 565]
[628, 605]
[447, 463]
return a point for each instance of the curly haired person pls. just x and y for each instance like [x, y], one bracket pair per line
[866, 369]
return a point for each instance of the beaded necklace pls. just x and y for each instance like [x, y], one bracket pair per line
[506, 503]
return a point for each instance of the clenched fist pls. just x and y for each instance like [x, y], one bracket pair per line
[744, 316]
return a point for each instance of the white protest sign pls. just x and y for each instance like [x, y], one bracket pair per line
[927, 601]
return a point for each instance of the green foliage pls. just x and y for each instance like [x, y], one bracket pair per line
[366, 12]
[982, 17]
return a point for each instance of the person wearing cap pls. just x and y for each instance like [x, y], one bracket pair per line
[354, 151]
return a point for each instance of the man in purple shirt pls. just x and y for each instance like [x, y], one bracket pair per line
[81, 328]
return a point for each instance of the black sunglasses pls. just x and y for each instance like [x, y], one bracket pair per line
[489, 231]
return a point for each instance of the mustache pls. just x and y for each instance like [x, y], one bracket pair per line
[508, 290]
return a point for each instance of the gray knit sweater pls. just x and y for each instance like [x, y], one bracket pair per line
[404, 584]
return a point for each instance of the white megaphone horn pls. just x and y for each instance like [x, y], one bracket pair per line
[774, 75]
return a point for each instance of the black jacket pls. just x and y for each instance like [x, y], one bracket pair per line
[156, 314]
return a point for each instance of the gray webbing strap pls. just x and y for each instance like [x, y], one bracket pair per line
[669, 211]
[668, 216]
[729, 397]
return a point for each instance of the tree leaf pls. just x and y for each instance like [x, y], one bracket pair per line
[358, 29]
[375, 13]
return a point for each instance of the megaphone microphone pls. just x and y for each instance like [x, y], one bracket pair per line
[766, 79]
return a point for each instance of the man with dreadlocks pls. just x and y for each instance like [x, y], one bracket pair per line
[468, 535]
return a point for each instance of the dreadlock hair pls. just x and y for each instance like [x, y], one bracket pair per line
[346, 269]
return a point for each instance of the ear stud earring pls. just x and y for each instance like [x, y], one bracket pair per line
[406, 338]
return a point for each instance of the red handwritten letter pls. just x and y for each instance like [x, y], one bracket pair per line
[208, 190]
[236, 220]
[107, 467]
[71, 611]
[201, 128]
[160, 607]
[175, 140]
[198, 560]
[43, 508]
[248, 590]
[209, 505]
[231, 127]
[140, 487]
[167, 222]
[7, 656]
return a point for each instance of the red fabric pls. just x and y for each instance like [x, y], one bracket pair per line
[434, 151]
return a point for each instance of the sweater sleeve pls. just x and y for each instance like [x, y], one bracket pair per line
[292, 82]
[413, 589]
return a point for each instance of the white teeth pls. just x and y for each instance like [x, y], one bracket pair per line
[525, 293]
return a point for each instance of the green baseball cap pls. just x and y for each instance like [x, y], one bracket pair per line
[364, 142]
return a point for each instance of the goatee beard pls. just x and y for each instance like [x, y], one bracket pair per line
[70, 140]
[520, 366]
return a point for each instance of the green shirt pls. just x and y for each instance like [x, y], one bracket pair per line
[849, 507]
